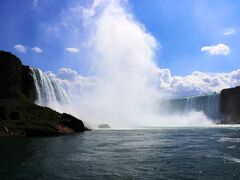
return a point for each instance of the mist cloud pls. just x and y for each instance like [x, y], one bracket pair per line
[127, 83]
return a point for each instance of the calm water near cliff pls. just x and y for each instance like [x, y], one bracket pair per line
[165, 153]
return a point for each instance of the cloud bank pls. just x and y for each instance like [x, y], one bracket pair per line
[197, 83]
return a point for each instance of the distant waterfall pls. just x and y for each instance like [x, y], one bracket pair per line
[48, 90]
[208, 104]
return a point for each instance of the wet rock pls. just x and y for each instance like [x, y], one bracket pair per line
[73, 123]
[14, 115]
[230, 105]
[40, 132]
[6, 129]
[104, 126]
[3, 113]
[64, 129]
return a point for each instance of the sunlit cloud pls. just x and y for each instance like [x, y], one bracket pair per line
[196, 83]
[229, 31]
[20, 48]
[37, 50]
[72, 50]
[219, 49]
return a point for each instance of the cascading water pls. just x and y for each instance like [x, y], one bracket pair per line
[49, 92]
[208, 104]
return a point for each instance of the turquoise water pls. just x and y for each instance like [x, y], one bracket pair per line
[168, 153]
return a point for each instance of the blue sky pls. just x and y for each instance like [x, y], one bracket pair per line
[182, 28]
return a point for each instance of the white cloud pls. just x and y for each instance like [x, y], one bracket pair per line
[219, 49]
[37, 50]
[229, 31]
[196, 83]
[72, 50]
[20, 48]
[67, 73]
[86, 12]
[73, 82]
[51, 74]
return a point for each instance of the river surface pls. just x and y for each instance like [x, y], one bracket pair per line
[163, 153]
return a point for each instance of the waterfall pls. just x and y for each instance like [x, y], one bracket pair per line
[208, 104]
[48, 90]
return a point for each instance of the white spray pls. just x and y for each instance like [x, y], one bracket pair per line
[124, 56]
[123, 59]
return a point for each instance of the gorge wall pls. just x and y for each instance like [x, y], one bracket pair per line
[230, 105]
[15, 78]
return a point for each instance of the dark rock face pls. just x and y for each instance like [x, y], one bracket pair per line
[15, 78]
[230, 105]
[28, 86]
[73, 123]
[20, 117]
[38, 132]
[14, 115]
[10, 75]
[3, 113]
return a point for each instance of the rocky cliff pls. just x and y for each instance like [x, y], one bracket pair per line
[10, 75]
[15, 78]
[230, 105]
[19, 116]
